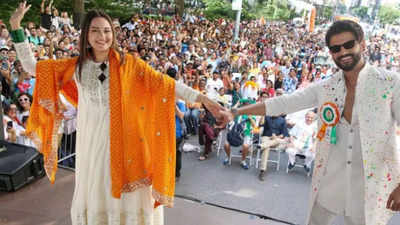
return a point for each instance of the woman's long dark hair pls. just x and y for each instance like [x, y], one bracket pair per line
[85, 51]
[20, 108]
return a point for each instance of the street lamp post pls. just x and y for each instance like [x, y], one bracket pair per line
[237, 25]
[237, 5]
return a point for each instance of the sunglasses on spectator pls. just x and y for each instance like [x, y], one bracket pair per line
[23, 99]
[347, 45]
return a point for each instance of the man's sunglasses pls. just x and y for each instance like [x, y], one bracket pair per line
[346, 45]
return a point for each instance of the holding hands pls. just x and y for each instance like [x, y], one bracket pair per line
[393, 202]
[215, 109]
[225, 116]
[221, 114]
[212, 106]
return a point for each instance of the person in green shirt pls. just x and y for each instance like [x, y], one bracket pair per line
[247, 135]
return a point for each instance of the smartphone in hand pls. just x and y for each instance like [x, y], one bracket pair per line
[4, 65]
[9, 124]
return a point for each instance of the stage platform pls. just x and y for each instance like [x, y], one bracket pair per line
[41, 203]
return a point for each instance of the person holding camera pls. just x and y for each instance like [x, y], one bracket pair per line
[11, 123]
[24, 106]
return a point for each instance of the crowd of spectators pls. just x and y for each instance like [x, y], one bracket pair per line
[268, 55]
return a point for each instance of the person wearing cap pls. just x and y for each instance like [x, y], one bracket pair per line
[247, 135]
[4, 51]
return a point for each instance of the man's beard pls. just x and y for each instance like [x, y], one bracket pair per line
[348, 67]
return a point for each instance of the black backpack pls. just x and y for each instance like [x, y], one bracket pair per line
[235, 134]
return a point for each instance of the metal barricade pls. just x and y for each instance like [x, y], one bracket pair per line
[66, 150]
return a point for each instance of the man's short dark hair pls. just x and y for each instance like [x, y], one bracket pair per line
[342, 26]
[171, 72]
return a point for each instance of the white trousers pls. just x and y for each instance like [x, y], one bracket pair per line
[308, 154]
[322, 216]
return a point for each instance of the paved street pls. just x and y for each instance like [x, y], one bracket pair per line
[282, 196]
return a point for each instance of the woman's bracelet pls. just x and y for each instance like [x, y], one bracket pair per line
[17, 36]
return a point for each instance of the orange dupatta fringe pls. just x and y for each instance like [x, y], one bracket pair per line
[142, 123]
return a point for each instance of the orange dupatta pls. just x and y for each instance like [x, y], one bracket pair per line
[142, 122]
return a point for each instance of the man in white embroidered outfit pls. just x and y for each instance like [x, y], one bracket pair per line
[357, 164]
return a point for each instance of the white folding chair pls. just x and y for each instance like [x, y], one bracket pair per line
[229, 98]
[277, 150]
[299, 162]
[239, 154]
[277, 159]
[220, 141]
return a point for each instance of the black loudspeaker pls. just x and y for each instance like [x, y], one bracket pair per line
[19, 165]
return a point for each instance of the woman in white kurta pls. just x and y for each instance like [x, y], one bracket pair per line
[90, 205]
[93, 203]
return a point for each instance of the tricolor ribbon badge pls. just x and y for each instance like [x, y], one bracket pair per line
[329, 114]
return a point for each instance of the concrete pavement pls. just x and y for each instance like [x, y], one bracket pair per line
[282, 196]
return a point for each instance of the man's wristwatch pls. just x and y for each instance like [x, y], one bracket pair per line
[234, 112]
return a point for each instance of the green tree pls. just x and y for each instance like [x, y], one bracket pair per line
[327, 12]
[215, 9]
[341, 8]
[273, 10]
[180, 5]
[388, 14]
[122, 9]
[361, 12]
[269, 9]
[8, 7]
[79, 11]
